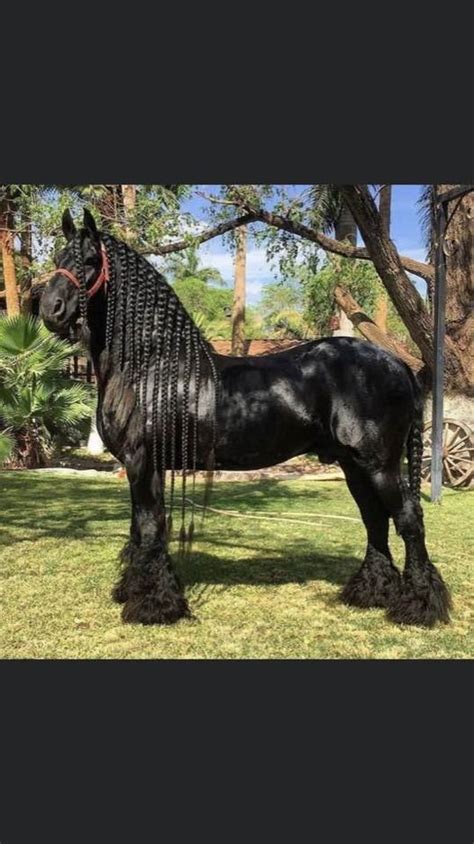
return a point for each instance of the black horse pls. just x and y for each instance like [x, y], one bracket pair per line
[168, 402]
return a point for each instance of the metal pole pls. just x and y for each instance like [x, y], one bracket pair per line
[438, 372]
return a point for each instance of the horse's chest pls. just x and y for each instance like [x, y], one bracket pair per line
[116, 406]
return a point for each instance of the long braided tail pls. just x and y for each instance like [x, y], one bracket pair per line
[415, 442]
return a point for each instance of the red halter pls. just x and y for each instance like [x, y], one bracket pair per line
[102, 278]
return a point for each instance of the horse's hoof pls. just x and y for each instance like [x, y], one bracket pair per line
[119, 593]
[367, 588]
[424, 600]
[148, 611]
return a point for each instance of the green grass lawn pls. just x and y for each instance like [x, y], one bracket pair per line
[258, 588]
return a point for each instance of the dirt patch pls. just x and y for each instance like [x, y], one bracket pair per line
[75, 458]
[304, 466]
[298, 467]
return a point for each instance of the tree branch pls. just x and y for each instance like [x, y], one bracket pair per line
[216, 231]
[418, 268]
[166, 249]
[371, 331]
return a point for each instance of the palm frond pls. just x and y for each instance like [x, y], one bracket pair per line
[426, 204]
[6, 446]
[34, 395]
[18, 334]
[326, 205]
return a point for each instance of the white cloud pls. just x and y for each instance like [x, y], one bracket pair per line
[259, 271]
[257, 265]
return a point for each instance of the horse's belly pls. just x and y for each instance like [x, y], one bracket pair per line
[267, 439]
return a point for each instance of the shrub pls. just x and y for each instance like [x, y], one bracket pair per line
[37, 402]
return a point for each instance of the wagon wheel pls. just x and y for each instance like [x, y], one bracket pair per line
[458, 453]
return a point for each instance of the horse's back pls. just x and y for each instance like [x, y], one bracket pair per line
[333, 396]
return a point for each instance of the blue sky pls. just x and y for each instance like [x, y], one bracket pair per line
[405, 231]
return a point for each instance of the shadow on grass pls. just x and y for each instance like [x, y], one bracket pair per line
[63, 507]
[300, 565]
[38, 507]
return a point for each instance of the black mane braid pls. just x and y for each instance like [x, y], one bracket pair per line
[163, 355]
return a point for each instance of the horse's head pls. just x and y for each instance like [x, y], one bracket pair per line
[81, 266]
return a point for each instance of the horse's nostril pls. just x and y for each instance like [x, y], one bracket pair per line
[58, 308]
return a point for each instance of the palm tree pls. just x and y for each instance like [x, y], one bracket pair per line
[427, 216]
[36, 400]
[186, 264]
[332, 214]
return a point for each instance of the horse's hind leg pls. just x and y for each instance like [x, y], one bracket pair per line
[152, 591]
[377, 583]
[424, 598]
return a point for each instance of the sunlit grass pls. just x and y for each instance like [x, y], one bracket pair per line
[257, 588]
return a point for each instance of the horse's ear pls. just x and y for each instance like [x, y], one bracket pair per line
[69, 229]
[89, 224]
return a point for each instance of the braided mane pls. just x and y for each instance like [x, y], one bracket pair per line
[152, 339]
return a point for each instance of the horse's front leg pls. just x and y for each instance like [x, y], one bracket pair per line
[120, 590]
[152, 591]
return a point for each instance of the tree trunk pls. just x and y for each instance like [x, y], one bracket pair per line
[109, 205]
[385, 209]
[346, 227]
[371, 331]
[345, 327]
[7, 238]
[129, 197]
[402, 292]
[26, 252]
[459, 252]
[345, 230]
[238, 307]
[381, 311]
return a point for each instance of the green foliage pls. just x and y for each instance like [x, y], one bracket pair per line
[6, 446]
[198, 297]
[186, 264]
[359, 277]
[157, 215]
[282, 306]
[36, 400]
[213, 329]
[254, 324]
[209, 306]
